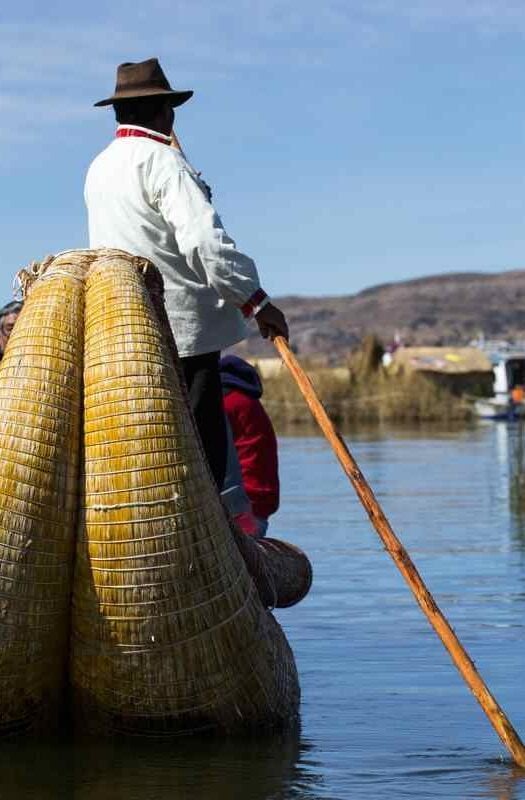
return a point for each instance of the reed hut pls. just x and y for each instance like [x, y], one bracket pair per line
[462, 370]
[168, 632]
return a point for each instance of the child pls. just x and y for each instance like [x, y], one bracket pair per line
[253, 437]
[8, 316]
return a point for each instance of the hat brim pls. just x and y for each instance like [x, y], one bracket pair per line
[177, 98]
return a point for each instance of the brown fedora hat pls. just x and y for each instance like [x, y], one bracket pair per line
[143, 79]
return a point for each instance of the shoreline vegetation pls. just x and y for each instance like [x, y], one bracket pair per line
[380, 398]
[364, 391]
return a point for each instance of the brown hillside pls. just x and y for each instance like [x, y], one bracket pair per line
[442, 309]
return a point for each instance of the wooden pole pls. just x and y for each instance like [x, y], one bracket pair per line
[404, 563]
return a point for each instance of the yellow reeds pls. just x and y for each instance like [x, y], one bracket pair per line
[168, 632]
[40, 407]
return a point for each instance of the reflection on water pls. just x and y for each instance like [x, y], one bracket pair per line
[512, 440]
[184, 770]
[503, 785]
[384, 713]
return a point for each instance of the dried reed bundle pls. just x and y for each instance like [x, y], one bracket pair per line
[277, 567]
[40, 407]
[169, 634]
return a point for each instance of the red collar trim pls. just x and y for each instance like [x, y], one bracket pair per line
[123, 132]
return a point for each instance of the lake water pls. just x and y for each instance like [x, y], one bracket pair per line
[384, 712]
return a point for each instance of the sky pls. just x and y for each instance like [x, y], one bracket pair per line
[348, 142]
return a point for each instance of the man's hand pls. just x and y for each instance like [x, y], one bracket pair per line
[271, 322]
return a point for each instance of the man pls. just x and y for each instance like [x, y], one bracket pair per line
[143, 196]
[8, 316]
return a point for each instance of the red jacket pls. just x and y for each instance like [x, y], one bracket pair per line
[256, 447]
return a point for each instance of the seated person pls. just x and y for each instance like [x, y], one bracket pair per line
[255, 443]
[8, 316]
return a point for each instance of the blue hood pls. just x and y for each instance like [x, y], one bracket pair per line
[238, 374]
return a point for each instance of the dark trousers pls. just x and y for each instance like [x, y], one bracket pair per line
[205, 395]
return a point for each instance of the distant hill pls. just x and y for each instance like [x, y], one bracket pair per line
[441, 309]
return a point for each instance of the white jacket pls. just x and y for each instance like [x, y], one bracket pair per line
[142, 196]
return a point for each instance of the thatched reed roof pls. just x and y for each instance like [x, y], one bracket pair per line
[446, 360]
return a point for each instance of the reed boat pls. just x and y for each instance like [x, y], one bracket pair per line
[120, 574]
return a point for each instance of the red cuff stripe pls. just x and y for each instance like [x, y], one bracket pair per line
[251, 304]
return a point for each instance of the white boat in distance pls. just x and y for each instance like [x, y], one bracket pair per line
[508, 400]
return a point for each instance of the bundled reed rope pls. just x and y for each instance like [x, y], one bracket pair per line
[168, 632]
[277, 566]
[40, 407]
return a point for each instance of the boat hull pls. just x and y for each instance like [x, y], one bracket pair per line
[495, 410]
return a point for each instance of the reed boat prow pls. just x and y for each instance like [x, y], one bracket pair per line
[169, 633]
[108, 510]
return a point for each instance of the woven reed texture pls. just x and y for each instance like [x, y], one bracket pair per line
[40, 413]
[282, 571]
[168, 633]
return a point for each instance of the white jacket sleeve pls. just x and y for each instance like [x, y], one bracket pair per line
[203, 241]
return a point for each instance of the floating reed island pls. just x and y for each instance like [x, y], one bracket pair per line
[127, 598]
[364, 391]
